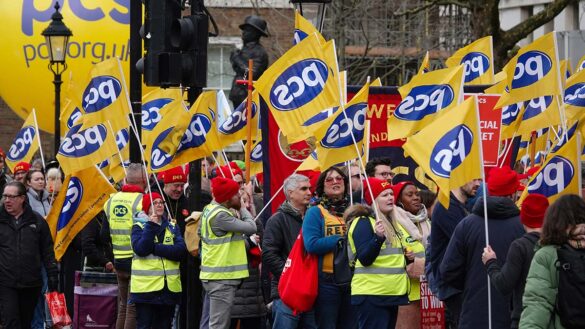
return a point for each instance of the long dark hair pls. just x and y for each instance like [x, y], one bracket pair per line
[321, 181]
[562, 215]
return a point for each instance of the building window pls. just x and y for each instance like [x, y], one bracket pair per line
[219, 68]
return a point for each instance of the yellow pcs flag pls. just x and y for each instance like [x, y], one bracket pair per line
[575, 96]
[301, 83]
[478, 59]
[533, 72]
[304, 28]
[86, 193]
[25, 143]
[560, 174]
[200, 137]
[423, 98]
[448, 150]
[105, 96]
[155, 102]
[84, 147]
[538, 113]
[256, 165]
[234, 127]
[336, 142]
[163, 141]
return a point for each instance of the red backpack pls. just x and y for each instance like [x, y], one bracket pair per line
[299, 282]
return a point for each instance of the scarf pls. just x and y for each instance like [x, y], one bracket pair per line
[336, 208]
[416, 225]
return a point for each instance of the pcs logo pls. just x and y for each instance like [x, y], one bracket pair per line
[237, 120]
[256, 154]
[510, 113]
[553, 178]
[71, 203]
[120, 211]
[339, 133]
[151, 112]
[81, 143]
[75, 115]
[451, 150]
[195, 134]
[122, 138]
[423, 101]
[575, 94]
[101, 92]
[536, 106]
[531, 67]
[476, 64]
[299, 36]
[299, 84]
[326, 113]
[22, 143]
[160, 158]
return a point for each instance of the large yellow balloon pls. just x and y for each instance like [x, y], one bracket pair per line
[100, 30]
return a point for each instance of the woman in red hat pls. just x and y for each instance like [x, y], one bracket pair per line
[155, 285]
[412, 215]
[377, 249]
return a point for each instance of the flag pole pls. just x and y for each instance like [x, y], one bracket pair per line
[485, 213]
[249, 118]
[39, 138]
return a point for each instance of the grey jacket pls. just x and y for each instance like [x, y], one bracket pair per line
[39, 203]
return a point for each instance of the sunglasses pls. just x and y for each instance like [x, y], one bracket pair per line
[331, 179]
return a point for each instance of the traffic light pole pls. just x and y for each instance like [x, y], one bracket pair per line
[135, 78]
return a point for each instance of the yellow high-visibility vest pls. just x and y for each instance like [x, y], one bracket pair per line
[224, 257]
[150, 272]
[120, 210]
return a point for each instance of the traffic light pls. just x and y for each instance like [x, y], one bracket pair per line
[190, 35]
[161, 64]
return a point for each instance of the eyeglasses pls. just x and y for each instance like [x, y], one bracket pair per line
[331, 179]
[158, 203]
[10, 197]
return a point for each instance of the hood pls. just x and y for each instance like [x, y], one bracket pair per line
[288, 209]
[498, 208]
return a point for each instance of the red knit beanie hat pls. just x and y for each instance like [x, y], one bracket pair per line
[223, 189]
[377, 187]
[398, 187]
[533, 209]
[147, 199]
[22, 166]
[174, 175]
[502, 182]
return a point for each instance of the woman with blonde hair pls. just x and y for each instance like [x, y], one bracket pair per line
[380, 282]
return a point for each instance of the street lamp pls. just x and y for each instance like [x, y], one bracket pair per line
[57, 37]
[312, 10]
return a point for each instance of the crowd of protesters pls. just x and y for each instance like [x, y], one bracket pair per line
[396, 235]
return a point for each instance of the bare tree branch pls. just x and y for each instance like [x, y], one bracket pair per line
[430, 4]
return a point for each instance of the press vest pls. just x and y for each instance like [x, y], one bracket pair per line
[120, 210]
[223, 258]
[333, 226]
[419, 251]
[386, 276]
[150, 272]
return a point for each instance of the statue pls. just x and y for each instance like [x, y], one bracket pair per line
[253, 28]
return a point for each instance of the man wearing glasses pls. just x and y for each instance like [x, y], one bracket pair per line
[380, 168]
[26, 242]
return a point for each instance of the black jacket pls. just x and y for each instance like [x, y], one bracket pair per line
[511, 276]
[280, 234]
[94, 248]
[239, 59]
[24, 247]
[462, 268]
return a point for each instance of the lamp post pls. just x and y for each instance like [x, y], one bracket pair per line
[312, 10]
[57, 37]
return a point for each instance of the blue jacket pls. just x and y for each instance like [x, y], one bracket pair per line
[442, 227]
[314, 235]
[462, 267]
[143, 244]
